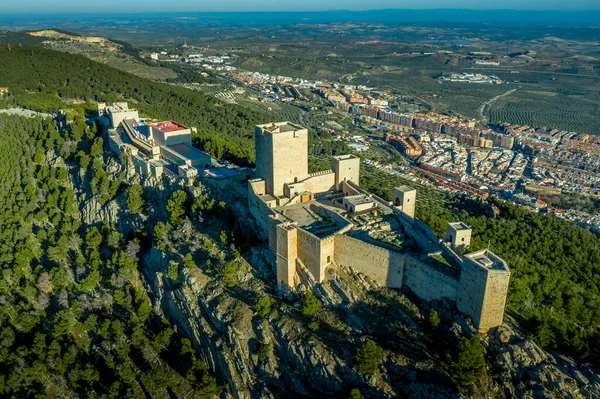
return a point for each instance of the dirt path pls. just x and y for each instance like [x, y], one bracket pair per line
[491, 100]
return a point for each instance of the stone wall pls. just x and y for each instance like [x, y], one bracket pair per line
[419, 231]
[340, 221]
[287, 252]
[494, 301]
[264, 162]
[347, 168]
[320, 183]
[315, 253]
[428, 283]
[348, 189]
[141, 166]
[265, 217]
[178, 137]
[383, 266]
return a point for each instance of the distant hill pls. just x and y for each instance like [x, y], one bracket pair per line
[61, 34]
[560, 18]
[118, 54]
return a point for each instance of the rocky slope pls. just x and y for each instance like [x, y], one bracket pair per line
[280, 356]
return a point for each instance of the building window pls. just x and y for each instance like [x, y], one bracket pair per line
[328, 258]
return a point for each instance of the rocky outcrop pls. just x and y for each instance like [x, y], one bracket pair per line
[524, 369]
[280, 356]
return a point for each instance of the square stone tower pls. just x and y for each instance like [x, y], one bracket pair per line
[346, 167]
[405, 198]
[458, 235]
[287, 252]
[483, 288]
[281, 155]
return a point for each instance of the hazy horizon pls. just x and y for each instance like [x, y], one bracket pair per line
[155, 6]
[132, 20]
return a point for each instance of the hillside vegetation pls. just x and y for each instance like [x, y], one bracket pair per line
[555, 282]
[76, 319]
[46, 80]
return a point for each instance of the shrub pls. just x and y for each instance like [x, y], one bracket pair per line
[263, 306]
[433, 320]
[176, 206]
[368, 358]
[134, 196]
[230, 270]
[263, 351]
[188, 262]
[310, 304]
[173, 271]
[465, 363]
[355, 394]
[314, 325]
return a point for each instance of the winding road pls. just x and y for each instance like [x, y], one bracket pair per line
[491, 100]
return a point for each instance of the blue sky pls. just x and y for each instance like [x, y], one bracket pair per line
[109, 6]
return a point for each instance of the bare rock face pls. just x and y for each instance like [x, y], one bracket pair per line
[92, 212]
[527, 370]
[280, 356]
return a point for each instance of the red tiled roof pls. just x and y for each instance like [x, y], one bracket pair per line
[169, 126]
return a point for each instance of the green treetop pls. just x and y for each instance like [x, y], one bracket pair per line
[135, 199]
[368, 358]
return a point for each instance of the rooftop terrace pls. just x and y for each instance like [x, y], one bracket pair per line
[459, 226]
[188, 152]
[280, 127]
[169, 126]
[118, 107]
[487, 259]
[358, 199]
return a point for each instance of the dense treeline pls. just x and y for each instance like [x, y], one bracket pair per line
[75, 318]
[555, 282]
[46, 80]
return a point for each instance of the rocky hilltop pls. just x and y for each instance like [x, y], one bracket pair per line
[282, 354]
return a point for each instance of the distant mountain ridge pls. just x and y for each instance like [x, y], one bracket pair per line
[558, 18]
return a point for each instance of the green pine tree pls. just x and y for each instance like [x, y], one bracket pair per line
[135, 200]
[263, 306]
[310, 304]
[368, 358]
[466, 364]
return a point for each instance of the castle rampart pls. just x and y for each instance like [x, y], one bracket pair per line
[429, 283]
[382, 265]
[307, 218]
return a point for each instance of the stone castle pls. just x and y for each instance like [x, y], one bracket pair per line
[317, 220]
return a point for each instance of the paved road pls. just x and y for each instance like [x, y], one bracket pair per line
[527, 71]
[491, 100]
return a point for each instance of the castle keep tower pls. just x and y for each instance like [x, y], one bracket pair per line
[281, 155]
[405, 198]
[483, 288]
